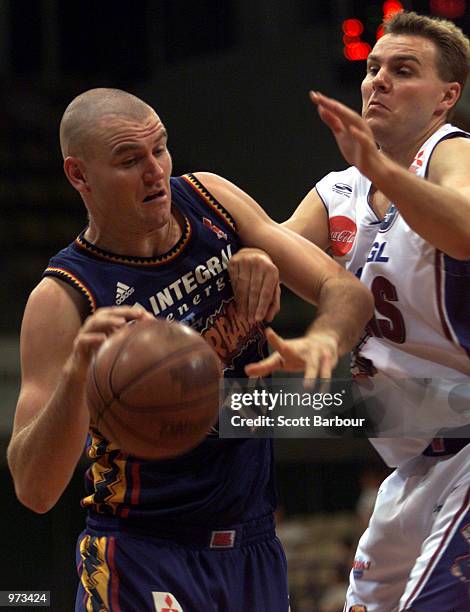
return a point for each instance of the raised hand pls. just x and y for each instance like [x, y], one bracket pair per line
[352, 133]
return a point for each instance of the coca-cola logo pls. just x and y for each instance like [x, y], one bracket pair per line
[342, 234]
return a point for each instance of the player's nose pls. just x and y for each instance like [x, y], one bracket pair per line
[381, 80]
[153, 170]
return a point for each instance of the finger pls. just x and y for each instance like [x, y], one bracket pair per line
[87, 345]
[343, 112]
[314, 97]
[265, 366]
[267, 295]
[90, 341]
[327, 363]
[293, 352]
[326, 112]
[318, 98]
[141, 313]
[240, 278]
[292, 358]
[275, 341]
[255, 295]
[127, 312]
[311, 372]
[358, 134]
[323, 385]
[275, 305]
[331, 120]
[104, 324]
[242, 297]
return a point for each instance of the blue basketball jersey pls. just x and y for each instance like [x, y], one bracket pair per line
[221, 482]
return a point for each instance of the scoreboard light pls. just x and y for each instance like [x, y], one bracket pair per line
[356, 51]
[354, 48]
[451, 9]
[391, 7]
[350, 39]
[353, 27]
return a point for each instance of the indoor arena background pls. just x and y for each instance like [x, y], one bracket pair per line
[230, 78]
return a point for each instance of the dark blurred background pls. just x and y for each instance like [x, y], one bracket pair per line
[230, 79]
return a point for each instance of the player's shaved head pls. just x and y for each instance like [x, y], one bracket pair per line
[86, 112]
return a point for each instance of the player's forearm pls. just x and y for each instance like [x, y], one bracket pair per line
[43, 455]
[438, 214]
[345, 307]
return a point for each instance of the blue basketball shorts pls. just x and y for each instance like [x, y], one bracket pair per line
[241, 568]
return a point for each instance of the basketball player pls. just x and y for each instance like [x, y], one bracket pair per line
[196, 532]
[399, 218]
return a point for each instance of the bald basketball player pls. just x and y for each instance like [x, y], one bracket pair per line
[196, 532]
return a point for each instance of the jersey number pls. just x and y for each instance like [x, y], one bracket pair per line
[392, 326]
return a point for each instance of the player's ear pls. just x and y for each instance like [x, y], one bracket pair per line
[75, 172]
[450, 96]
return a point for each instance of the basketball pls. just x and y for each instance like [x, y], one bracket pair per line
[153, 389]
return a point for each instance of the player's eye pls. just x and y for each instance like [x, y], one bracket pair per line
[372, 69]
[129, 162]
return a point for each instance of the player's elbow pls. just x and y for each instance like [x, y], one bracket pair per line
[37, 502]
[359, 294]
[30, 491]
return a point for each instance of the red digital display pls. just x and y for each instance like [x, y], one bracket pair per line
[448, 8]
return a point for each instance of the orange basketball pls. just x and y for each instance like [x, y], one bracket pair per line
[153, 389]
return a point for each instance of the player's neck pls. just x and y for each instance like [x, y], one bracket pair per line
[136, 242]
[404, 150]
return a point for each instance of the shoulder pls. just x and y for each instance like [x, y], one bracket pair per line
[230, 196]
[349, 174]
[450, 156]
[342, 181]
[458, 143]
[336, 188]
[447, 140]
[52, 319]
[216, 184]
[53, 300]
[208, 182]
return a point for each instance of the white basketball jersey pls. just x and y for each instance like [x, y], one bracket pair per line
[352, 222]
[421, 327]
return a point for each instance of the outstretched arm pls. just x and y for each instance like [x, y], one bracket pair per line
[310, 220]
[254, 277]
[344, 304]
[437, 209]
